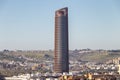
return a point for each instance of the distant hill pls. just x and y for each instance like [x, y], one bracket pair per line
[95, 56]
[83, 55]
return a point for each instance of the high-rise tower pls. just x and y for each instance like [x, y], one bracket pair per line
[61, 56]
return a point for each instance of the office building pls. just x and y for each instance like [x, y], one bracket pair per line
[61, 56]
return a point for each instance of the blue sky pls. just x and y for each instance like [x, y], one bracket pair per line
[29, 24]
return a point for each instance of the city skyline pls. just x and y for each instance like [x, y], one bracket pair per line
[92, 24]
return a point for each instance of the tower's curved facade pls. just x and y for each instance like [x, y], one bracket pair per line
[61, 56]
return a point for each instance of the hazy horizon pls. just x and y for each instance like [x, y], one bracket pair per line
[29, 25]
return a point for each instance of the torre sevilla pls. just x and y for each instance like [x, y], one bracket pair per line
[61, 56]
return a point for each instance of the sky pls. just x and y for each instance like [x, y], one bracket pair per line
[29, 24]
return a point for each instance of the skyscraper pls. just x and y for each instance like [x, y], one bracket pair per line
[61, 56]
